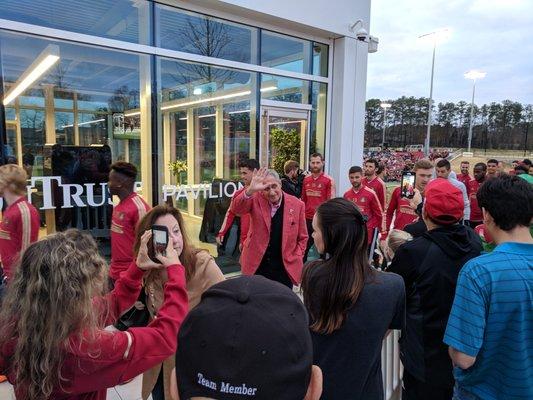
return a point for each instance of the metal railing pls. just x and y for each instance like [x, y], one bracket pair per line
[391, 366]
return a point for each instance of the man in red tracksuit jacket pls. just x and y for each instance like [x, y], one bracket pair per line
[367, 201]
[246, 169]
[126, 215]
[374, 182]
[317, 188]
[20, 220]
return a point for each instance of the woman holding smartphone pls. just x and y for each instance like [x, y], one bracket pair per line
[201, 273]
[52, 339]
[351, 305]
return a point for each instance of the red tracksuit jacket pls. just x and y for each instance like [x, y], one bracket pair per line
[92, 367]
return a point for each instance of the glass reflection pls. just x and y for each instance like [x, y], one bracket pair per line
[116, 19]
[285, 52]
[66, 123]
[208, 36]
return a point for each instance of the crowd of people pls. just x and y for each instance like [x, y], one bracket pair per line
[450, 266]
[392, 163]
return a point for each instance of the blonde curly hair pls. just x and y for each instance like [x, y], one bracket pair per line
[49, 300]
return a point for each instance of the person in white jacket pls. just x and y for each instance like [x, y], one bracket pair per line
[443, 169]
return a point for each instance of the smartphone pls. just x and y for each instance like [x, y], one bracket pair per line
[408, 185]
[159, 241]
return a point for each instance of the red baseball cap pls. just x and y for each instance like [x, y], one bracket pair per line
[444, 203]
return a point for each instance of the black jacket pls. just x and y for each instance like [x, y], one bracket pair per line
[294, 188]
[429, 266]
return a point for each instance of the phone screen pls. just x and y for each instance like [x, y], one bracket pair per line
[159, 238]
[408, 185]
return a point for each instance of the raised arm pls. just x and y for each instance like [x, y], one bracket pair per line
[242, 203]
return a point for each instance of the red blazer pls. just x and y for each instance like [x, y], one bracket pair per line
[294, 238]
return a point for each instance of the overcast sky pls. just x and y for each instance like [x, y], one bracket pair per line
[495, 36]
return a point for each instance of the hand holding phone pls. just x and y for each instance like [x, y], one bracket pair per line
[407, 185]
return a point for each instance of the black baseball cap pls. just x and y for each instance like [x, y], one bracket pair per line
[247, 339]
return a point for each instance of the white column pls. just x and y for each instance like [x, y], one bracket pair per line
[146, 131]
[167, 149]
[346, 136]
[219, 141]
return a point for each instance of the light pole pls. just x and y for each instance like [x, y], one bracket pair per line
[436, 36]
[474, 75]
[384, 106]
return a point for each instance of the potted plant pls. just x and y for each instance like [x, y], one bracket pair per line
[177, 168]
[285, 146]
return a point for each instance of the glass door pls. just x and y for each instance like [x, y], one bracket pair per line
[284, 136]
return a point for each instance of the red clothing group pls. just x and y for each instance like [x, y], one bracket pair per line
[368, 203]
[125, 217]
[315, 192]
[18, 229]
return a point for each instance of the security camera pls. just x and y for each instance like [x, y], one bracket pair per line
[372, 44]
[362, 34]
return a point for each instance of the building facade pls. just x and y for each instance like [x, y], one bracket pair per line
[184, 90]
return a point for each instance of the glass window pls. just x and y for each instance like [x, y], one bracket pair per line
[236, 137]
[317, 134]
[116, 19]
[64, 127]
[285, 52]
[63, 99]
[77, 117]
[280, 88]
[207, 125]
[31, 97]
[92, 128]
[11, 114]
[320, 59]
[200, 34]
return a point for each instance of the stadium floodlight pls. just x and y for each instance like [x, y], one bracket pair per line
[385, 106]
[474, 75]
[437, 36]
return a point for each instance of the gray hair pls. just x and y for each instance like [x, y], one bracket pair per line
[273, 174]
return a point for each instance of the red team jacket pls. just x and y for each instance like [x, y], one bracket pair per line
[475, 211]
[294, 238]
[125, 217]
[228, 221]
[18, 229]
[315, 192]
[400, 210]
[378, 186]
[91, 367]
[464, 178]
[368, 203]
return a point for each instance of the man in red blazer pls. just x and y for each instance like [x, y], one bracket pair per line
[277, 237]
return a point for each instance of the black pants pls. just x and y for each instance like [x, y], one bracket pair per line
[274, 273]
[310, 240]
[413, 389]
[158, 392]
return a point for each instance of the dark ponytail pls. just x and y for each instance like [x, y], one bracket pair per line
[334, 285]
